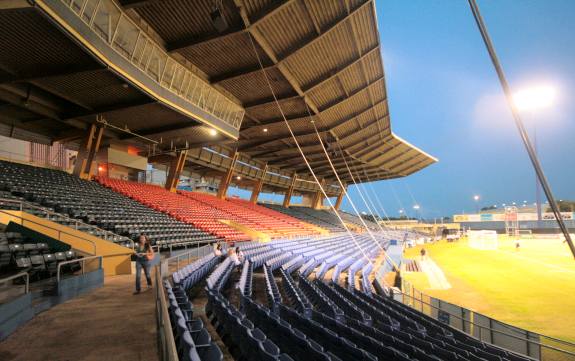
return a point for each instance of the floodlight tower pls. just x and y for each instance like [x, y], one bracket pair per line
[531, 100]
[519, 124]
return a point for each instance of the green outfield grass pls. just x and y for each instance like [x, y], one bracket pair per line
[533, 288]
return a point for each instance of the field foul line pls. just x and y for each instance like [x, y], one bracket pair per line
[561, 269]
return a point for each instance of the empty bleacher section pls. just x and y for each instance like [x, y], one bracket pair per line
[320, 218]
[185, 210]
[19, 253]
[252, 217]
[325, 218]
[312, 318]
[207, 212]
[94, 204]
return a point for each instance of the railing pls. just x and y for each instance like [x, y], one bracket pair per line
[166, 343]
[82, 262]
[102, 233]
[27, 159]
[189, 255]
[108, 21]
[60, 232]
[497, 333]
[24, 275]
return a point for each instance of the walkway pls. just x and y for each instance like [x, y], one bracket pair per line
[107, 324]
[436, 277]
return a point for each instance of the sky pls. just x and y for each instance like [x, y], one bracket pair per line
[445, 98]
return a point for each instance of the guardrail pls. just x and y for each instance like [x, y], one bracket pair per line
[82, 262]
[189, 255]
[534, 343]
[108, 21]
[16, 276]
[60, 232]
[107, 235]
[166, 344]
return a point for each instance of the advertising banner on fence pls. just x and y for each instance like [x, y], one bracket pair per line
[500, 217]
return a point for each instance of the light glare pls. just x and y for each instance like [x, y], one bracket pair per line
[533, 98]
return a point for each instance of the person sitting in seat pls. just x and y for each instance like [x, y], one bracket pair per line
[234, 256]
[241, 256]
[217, 249]
[144, 254]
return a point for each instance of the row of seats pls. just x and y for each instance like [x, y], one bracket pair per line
[319, 218]
[178, 206]
[320, 320]
[272, 290]
[296, 298]
[246, 279]
[189, 276]
[192, 339]
[275, 224]
[285, 336]
[245, 341]
[93, 204]
[18, 253]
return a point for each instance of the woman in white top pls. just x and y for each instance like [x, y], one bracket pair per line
[217, 249]
[234, 257]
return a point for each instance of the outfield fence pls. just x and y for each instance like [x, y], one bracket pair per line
[487, 329]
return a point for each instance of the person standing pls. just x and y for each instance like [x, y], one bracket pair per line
[144, 254]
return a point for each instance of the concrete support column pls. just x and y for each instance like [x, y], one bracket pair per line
[258, 186]
[318, 197]
[287, 197]
[176, 167]
[340, 198]
[225, 183]
[87, 152]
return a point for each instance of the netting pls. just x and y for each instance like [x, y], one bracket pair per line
[483, 240]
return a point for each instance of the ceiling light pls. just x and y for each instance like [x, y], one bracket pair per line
[238, 177]
[213, 132]
[265, 130]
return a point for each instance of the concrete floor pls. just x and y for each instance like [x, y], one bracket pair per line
[107, 324]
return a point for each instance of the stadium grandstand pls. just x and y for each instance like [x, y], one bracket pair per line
[99, 97]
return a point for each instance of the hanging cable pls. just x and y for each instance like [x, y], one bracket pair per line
[341, 185]
[301, 151]
[377, 198]
[357, 186]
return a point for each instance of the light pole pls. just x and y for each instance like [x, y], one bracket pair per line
[416, 207]
[530, 100]
[476, 199]
[519, 123]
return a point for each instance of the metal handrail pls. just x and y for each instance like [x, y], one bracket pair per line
[77, 260]
[18, 275]
[167, 349]
[67, 219]
[529, 341]
[187, 254]
[60, 232]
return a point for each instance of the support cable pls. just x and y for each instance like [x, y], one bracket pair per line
[341, 185]
[301, 151]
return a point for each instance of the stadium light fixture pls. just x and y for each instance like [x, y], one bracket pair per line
[536, 97]
[476, 197]
[416, 207]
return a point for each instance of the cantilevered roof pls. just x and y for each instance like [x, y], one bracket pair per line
[322, 58]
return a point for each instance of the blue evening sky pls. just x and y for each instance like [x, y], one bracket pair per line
[445, 98]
